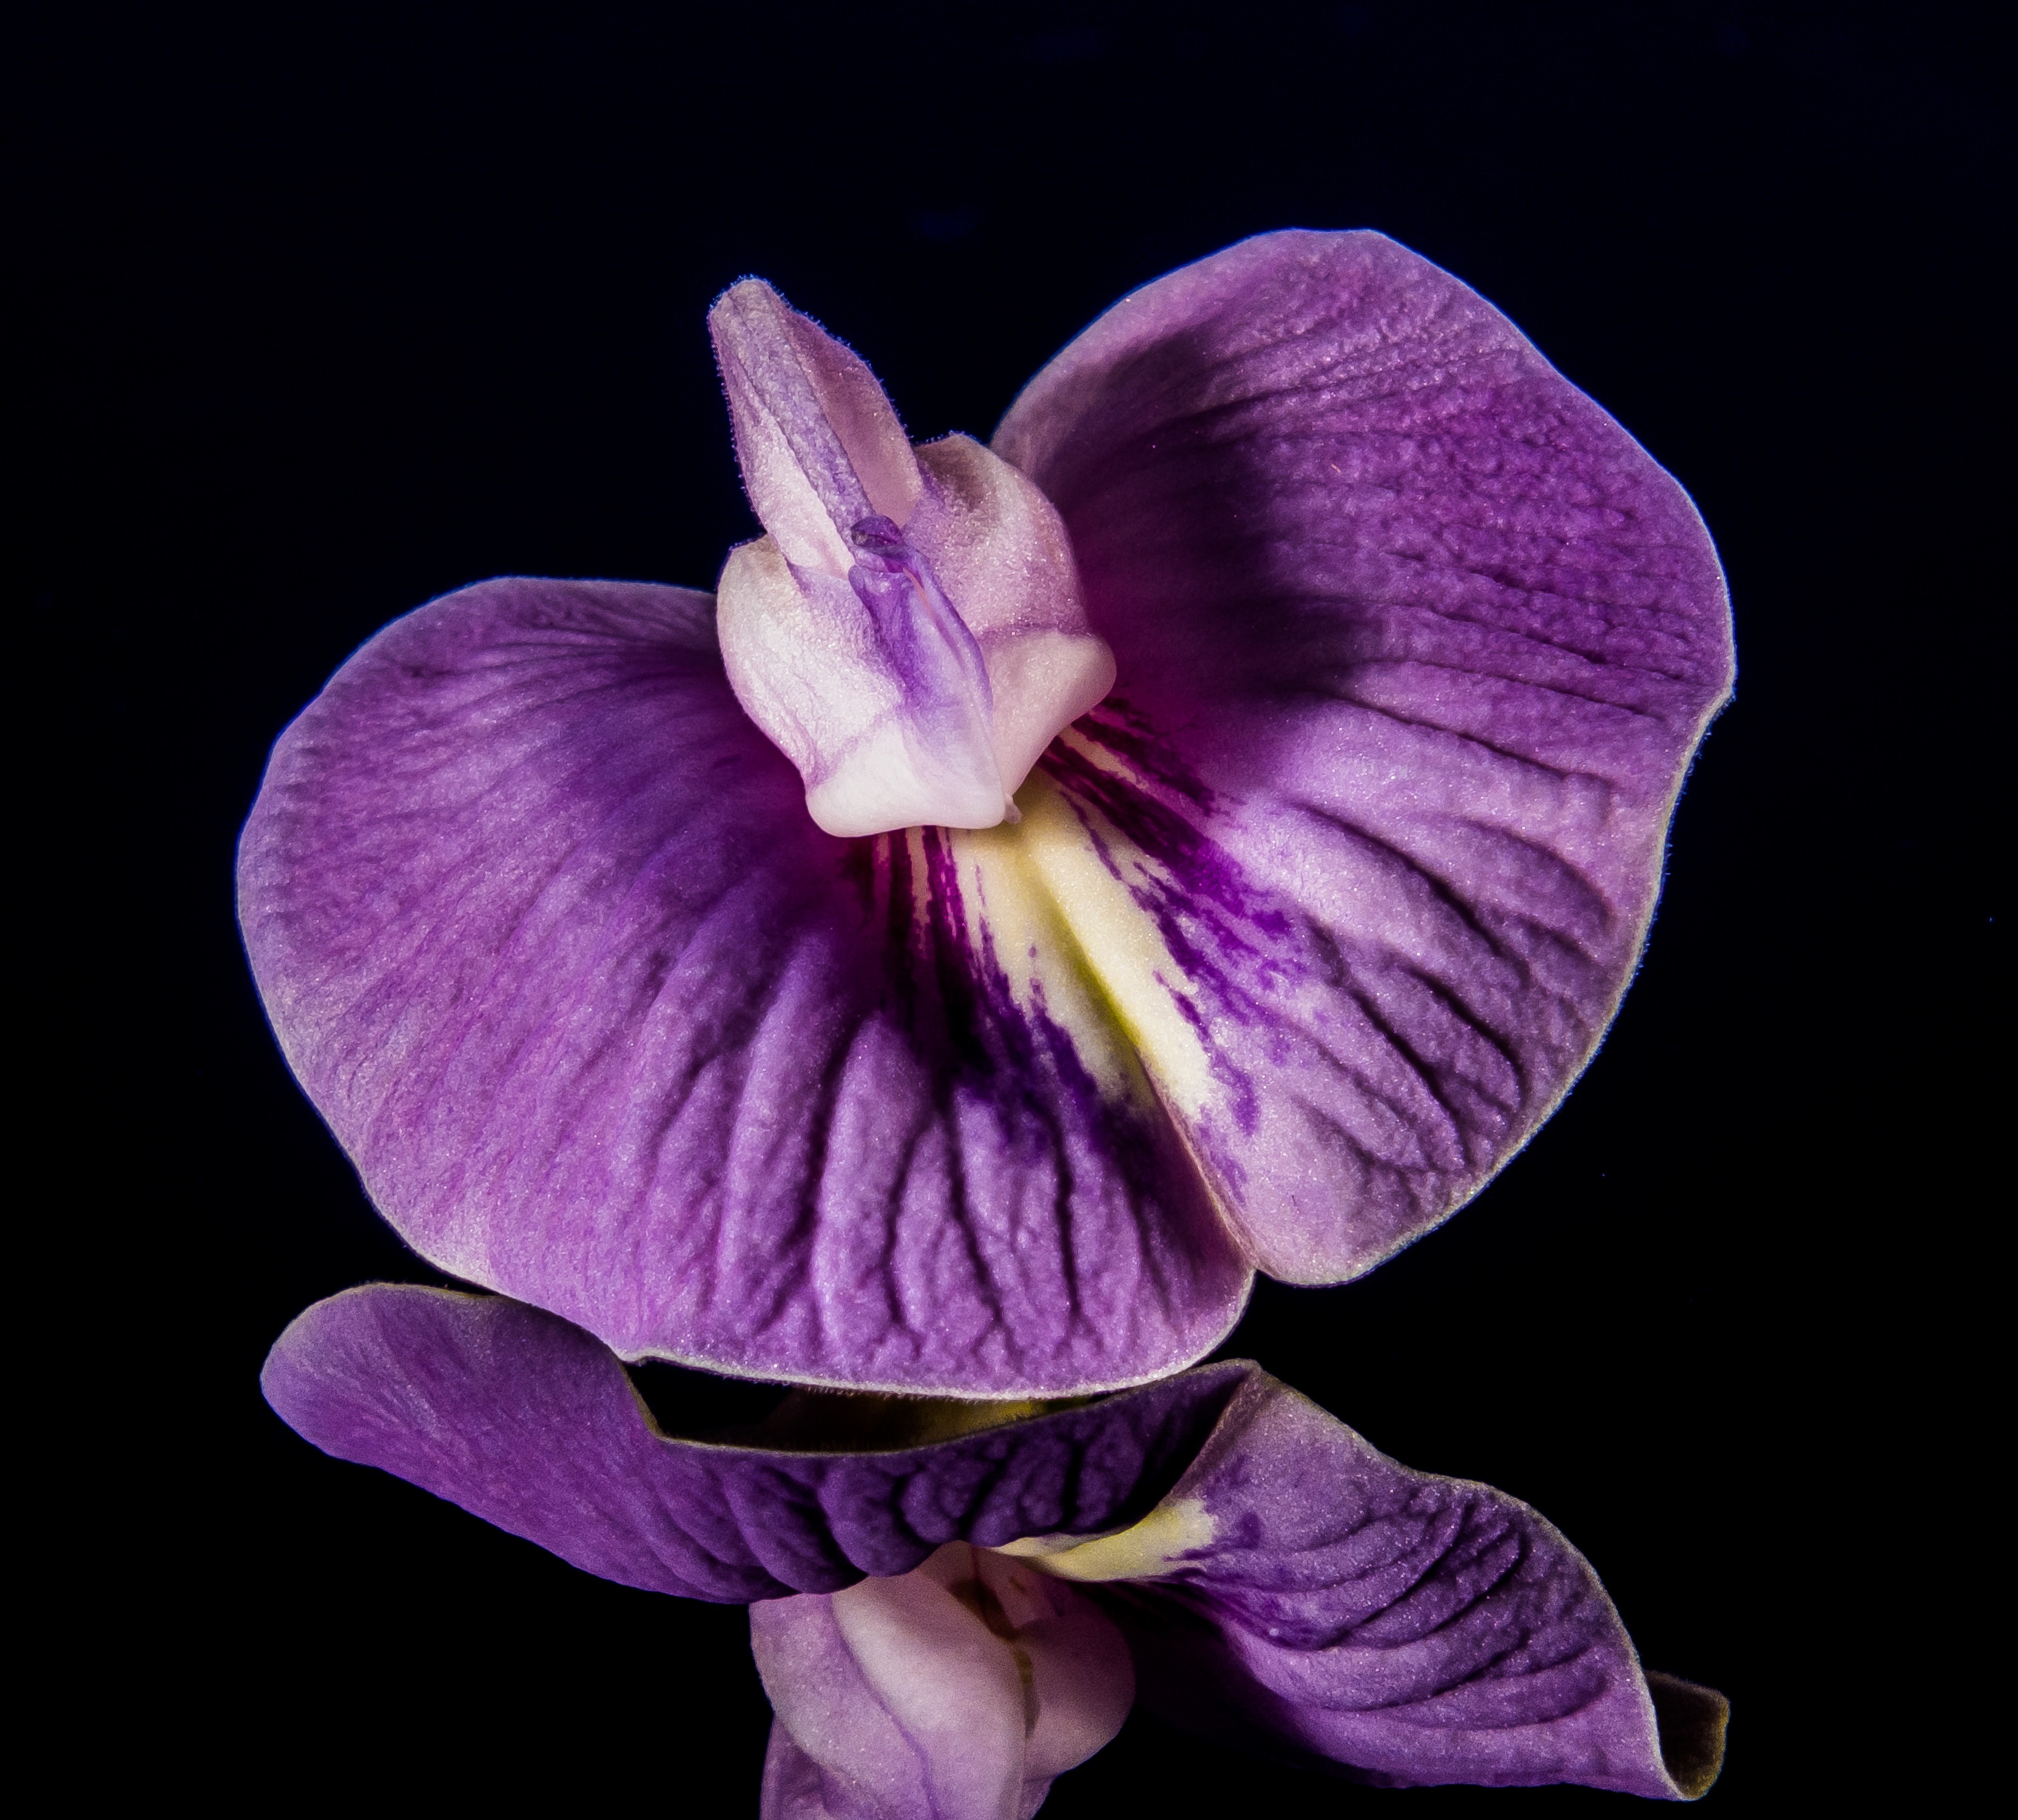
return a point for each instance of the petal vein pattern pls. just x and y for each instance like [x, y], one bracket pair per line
[1303, 930]
[1337, 1605]
[610, 1026]
[1277, 1580]
[1424, 641]
[532, 1424]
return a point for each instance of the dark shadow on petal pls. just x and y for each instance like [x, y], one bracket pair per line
[842, 1421]
[1692, 1721]
[696, 1405]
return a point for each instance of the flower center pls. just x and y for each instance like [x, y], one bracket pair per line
[910, 631]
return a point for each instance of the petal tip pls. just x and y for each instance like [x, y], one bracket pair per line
[1690, 1722]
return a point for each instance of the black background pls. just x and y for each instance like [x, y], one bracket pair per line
[350, 305]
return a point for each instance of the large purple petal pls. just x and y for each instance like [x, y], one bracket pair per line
[609, 1025]
[1320, 1600]
[1415, 643]
[1310, 925]
[533, 1424]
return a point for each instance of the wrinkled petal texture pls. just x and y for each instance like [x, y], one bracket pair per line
[1334, 1604]
[532, 1424]
[1414, 644]
[1300, 934]
[610, 1026]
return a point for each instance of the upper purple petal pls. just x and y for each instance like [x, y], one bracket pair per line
[1414, 644]
[1335, 1605]
[1300, 934]
[533, 1424]
[609, 1025]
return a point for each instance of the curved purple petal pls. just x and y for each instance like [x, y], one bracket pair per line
[1414, 644]
[610, 1026]
[532, 1424]
[1321, 1600]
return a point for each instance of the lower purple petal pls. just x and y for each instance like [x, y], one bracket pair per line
[1293, 1590]
[533, 1424]
[1417, 1629]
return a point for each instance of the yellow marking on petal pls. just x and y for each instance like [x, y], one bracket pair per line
[1120, 948]
[1004, 896]
[1151, 1548]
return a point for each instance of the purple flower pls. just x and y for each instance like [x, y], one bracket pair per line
[1213, 1544]
[1302, 931]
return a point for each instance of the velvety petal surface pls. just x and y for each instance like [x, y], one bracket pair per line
[1301, 1592]
[534, 1425]
[1414, 644]
[1300, 933]
[610, 1026]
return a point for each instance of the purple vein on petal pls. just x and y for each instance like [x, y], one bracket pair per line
[533, 1424]
[1341, 887]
